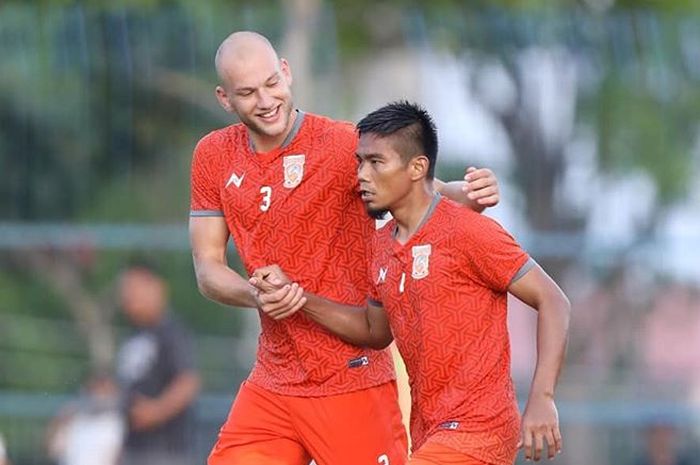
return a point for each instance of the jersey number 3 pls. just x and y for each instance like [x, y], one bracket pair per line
[266, 192]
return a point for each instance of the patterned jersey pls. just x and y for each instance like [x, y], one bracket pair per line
[296, 206]
[444, 292]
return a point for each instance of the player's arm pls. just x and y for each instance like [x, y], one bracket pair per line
[540, 420]
[478, 191]
[215, 279]
[360, 326]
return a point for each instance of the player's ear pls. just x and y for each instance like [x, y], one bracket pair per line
[419, 167]
[222, 97]
[286, 70]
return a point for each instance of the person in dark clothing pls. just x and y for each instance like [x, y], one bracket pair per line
[156, 370]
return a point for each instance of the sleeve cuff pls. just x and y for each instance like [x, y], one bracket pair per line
[527, 266]
[195, 213]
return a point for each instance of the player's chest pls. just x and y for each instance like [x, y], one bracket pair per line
[422, 287]
[252, 191]
[418, 273]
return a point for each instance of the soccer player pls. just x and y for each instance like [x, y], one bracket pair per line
[283, 185]
[439, 275]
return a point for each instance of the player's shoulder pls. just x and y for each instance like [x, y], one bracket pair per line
[218, 139]
[329, 127]
[464, 220]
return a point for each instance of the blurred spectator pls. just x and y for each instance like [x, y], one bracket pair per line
[156, 369]
[89, 431]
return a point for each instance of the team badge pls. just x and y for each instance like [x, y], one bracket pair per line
[421, 261]
[293, 170]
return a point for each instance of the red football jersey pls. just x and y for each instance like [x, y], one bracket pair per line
[444, 292]
[296, 206]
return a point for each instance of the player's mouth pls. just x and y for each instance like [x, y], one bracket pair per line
[366, 195]
[270, 116]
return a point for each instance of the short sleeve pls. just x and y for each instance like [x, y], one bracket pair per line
[205, 194]
[493, 256]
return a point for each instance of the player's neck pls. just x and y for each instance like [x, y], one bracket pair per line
[410, 213]
[264, 144]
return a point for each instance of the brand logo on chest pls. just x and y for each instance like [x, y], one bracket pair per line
[382, 275]
[421, 261]
[293, 170]
[235, 180]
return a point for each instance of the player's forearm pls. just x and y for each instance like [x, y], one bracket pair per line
[454, 190]
[351, 324]
[552, 334]
[220, 283]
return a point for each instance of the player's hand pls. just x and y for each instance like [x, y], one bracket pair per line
[270, 278]
[540, 424]
[481, 186]
[279, 303]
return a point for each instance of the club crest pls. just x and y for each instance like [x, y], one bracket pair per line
[293, 170]
[421, 261]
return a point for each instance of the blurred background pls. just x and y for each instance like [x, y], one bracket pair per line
[588, 111]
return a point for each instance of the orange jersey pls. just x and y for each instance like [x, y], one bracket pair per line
[296, 206]
[444, 292]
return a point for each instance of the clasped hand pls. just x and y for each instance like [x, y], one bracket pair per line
[275, 294]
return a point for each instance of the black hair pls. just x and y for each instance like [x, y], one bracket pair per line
[411, 126]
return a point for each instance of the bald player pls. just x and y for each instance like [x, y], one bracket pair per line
[282, 184]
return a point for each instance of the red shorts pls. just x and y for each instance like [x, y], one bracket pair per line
[348, 429]
[432, 453]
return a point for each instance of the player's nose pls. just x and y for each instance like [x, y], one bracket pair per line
[265, 100]
[362, 171]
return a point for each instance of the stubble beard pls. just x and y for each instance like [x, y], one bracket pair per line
[377, 214]
[259, 129]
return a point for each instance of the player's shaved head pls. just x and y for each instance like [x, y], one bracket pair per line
[255, 84]
[238, 48]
